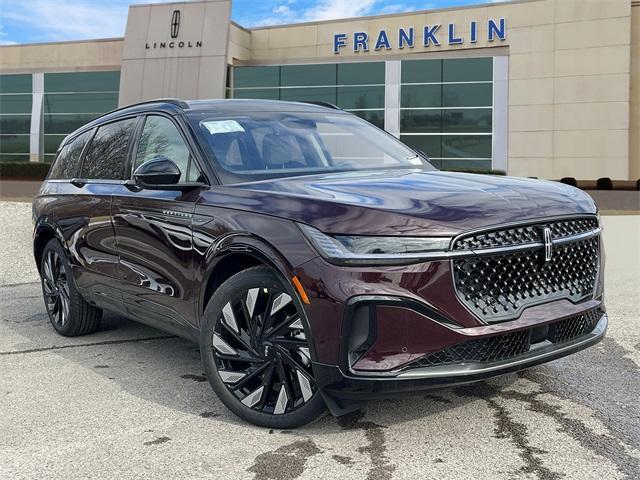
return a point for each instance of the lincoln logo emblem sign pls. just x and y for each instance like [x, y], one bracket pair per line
[175, 23]
[174, 31]
[548, 244]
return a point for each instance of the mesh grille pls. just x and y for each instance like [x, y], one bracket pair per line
[574, 327]
[498, 287]
[486, 350]
[505, 347]
[525, 234]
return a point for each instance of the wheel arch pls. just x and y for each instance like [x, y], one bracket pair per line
[235, 253]
[44, 231]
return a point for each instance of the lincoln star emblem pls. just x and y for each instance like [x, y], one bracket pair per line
[548, 244]
[175, 23]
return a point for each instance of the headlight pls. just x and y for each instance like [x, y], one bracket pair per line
[351, 249]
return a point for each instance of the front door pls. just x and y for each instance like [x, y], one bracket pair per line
[154, 234]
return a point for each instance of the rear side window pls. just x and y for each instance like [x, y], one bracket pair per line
[107, 153]
[67, 164]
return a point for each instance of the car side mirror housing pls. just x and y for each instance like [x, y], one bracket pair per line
[158, 173]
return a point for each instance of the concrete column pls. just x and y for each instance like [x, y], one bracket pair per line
[500, 124]
[36, 136]
[392, 72]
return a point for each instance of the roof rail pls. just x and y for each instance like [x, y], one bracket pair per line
[174, 101]
[320, 103]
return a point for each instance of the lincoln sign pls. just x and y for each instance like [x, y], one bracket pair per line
[432, 35]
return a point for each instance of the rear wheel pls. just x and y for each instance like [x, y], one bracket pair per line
[68, 312]
[255, 348]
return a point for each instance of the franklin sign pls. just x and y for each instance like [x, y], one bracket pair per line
[432, 35]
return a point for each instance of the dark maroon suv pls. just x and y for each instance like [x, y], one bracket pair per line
[317, 260]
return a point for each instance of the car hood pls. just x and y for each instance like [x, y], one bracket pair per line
[405, 202]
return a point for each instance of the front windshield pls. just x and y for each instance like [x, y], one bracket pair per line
[262, 145]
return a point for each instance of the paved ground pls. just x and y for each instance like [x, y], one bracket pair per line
[130, 401]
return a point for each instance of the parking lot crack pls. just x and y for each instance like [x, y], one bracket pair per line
[507, 427]
[517, 432]
[80, 345]
[604, 445]
[381, 467]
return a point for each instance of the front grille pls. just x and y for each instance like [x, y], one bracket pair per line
[510, 345]
[520, 235]
[497, 287]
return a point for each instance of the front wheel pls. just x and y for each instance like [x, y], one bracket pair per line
[255, 348]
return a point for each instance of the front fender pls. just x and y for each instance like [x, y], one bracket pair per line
[243, 243]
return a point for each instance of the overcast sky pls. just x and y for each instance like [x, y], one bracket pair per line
[29, 21]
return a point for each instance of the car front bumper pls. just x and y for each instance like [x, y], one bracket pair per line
[344, 391]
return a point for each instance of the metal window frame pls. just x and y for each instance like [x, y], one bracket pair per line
[392, 104]
[499, 111]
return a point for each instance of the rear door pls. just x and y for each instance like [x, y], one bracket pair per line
[83, 213]
[154, 233]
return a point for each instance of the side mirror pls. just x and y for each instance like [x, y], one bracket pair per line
[158, 173]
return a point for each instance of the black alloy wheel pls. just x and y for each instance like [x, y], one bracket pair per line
[69, 313]
[260, 351]
[55, 286]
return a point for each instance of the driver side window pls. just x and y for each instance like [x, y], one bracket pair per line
[161, 138]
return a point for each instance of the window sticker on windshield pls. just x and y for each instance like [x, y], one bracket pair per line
[222, 126]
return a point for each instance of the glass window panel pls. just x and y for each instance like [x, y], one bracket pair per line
[161, 138]
[14, 143]
[375, 117]
[15, 103]
[14, 157]
[20, 83]
[15, 123]
[429, 144]
[52, 142]
[107, 153]
[465, 164]
[472, 120]
[421, 121]
[256, 77]
[466, 146]
[300, 75]
[324, 94]
[467, 69]
[421, 71]
[467, 95]
[421, 95]
[67, 165]
[82, 82]
[261, 93]
[361, 73]
[80, 102]
[360, 97]
[66, 123]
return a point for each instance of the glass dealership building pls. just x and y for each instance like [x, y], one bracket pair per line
[546, 88]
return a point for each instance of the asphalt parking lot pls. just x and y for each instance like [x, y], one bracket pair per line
[131, 402]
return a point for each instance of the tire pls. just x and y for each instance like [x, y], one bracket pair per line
[68, 312]
[259, 365]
